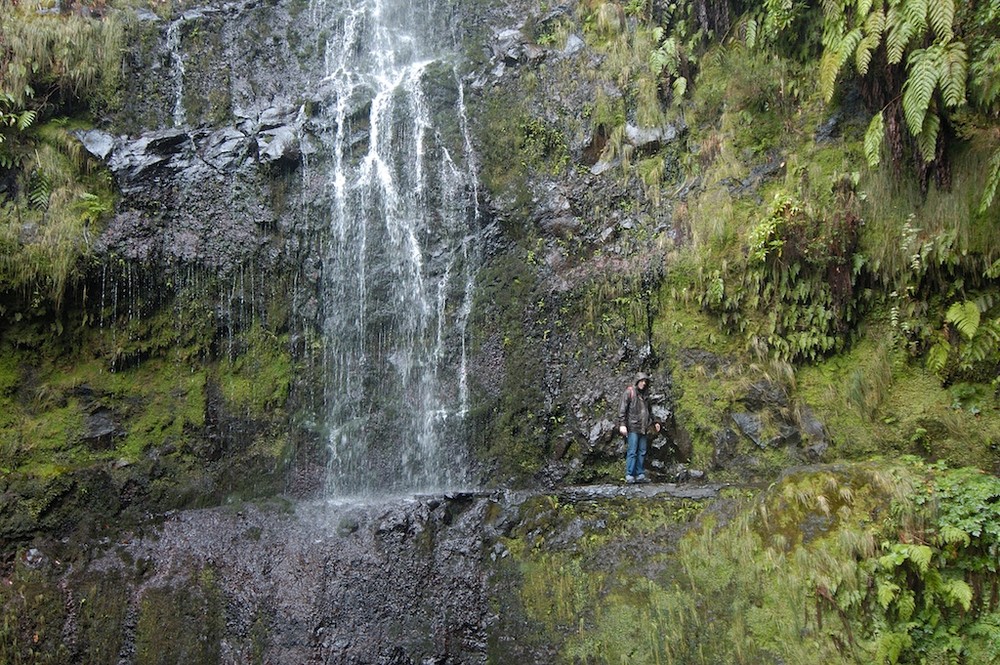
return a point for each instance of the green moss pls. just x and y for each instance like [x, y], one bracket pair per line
[32, 615]
[103, 603]
[790, 575]
[510, 426]
[258, 380]
[875, 400]
[172, 405]
[569, 584]
[181, 625]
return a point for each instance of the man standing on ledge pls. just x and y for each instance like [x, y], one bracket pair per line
[635, 420]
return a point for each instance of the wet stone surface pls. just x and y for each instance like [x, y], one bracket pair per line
[404, 580]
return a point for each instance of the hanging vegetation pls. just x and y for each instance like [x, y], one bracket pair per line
[51, 194]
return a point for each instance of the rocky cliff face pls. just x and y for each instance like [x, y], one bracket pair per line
[198, 330]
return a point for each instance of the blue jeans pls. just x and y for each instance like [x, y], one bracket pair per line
[635, 454]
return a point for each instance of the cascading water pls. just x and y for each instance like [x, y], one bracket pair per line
[400, 216]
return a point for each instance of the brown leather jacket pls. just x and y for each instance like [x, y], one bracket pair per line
[634, 410]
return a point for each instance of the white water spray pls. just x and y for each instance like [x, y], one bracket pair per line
[399, 263]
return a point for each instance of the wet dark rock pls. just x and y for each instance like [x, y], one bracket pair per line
[347, 525]
[652, 138]
[774, 167]
[647, 490]
[765, 395]
[508, 46]
[829, 129]
[752, 426]
[724, 450]
[814, 434]
[100, 429]
[98, 143]
[602, 433]
[281, 144]
[574, 44]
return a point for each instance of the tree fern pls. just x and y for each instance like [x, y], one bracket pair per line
[900, 32]
[941, 15]
[982, 346]
[992, 180]
[750, 33]
[873, 140]
[927, 138]
[922, 78]
[679, 87]
[40, 189]
[874, 28]
[953, 69]
[915, 13]
[834, 60]
[937, 355]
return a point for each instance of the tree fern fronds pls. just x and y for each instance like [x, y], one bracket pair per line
[834, 58]
[954, 70]
[924, 66]
[941, 15]
[39, 190]
[927, 138]
[873, 28]
[980, 347]
[990, 190]
[873, 140]
[915, 12]
[985, 300]
[863, 56]
[901, 32]
[985, 76]
[828, 71]
[26, 119]
[864, 6]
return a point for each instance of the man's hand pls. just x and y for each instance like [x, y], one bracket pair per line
[623, 430]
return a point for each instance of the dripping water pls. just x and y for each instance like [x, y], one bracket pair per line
[397, 266]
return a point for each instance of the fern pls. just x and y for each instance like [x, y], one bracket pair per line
[750, 33]
[679, 86]
[957, 592]
[953, 69]
[834, 59]
[873, 140]
[982, 346]
[941, 14]
[919, 87]
[927, 138]
[901, 32]
[40, 190]
[990, 189]
[915, 12]
[965, 316]
[937, 355]
[874, 27]
[25, 119]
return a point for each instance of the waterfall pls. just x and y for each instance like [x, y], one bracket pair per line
[399, 217]
[177, 70]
